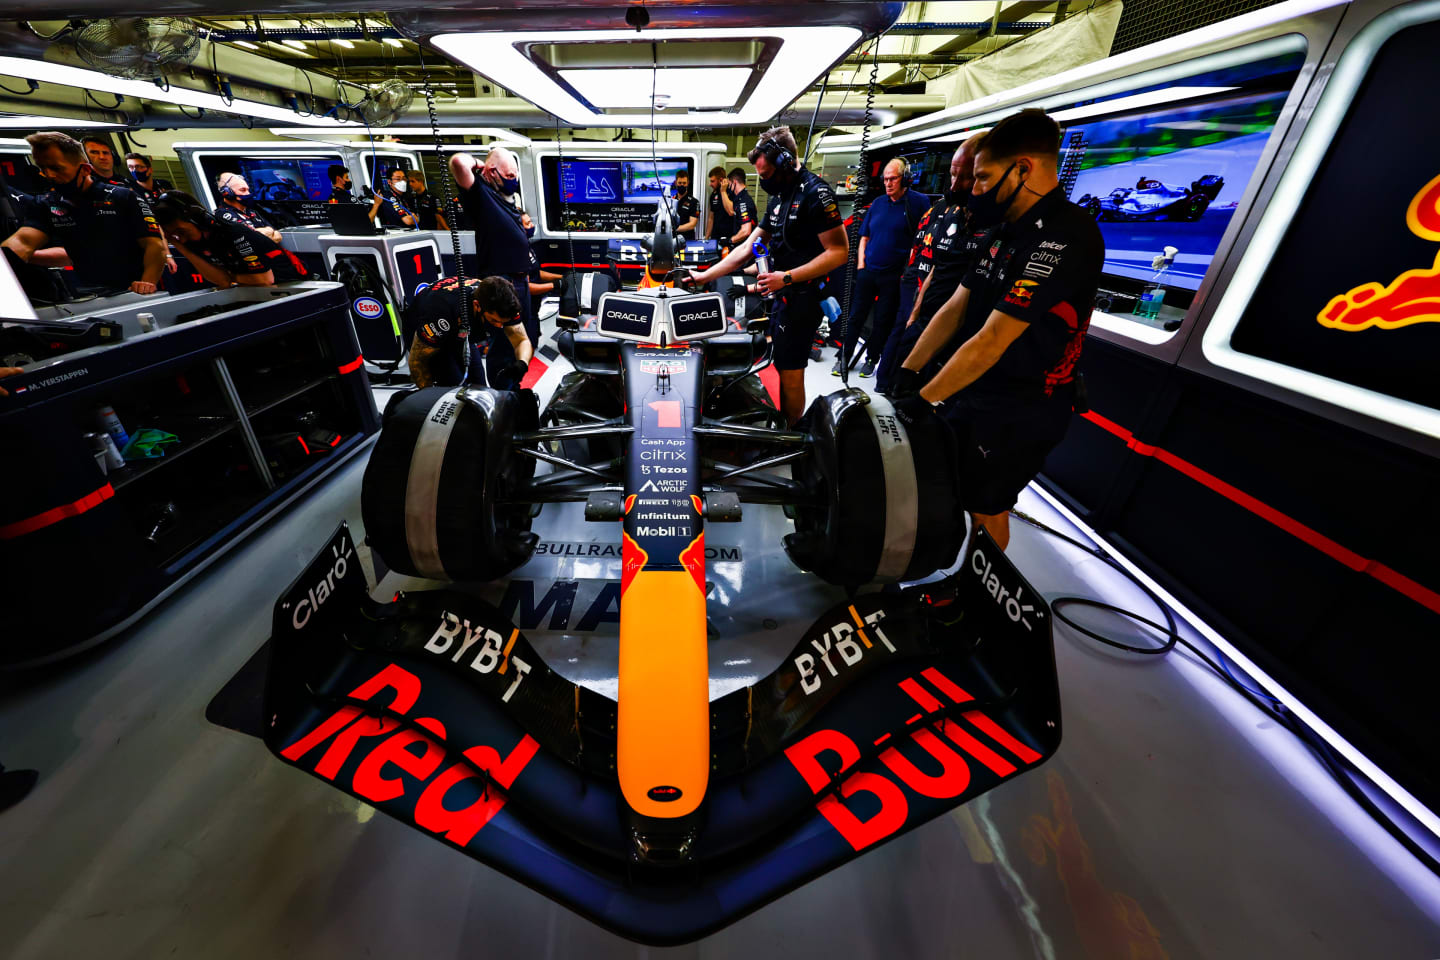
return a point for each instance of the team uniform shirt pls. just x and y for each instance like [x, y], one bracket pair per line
[721, 230]
[98, 230]
[685, 208]
[534, 273]
[952, 244]
[427, 210]
[890, 226]
[1043, 269]
[392, 211]
[744, 205]
[149, 194]
[434, 317]
[235, 247]
[501, 247]
[341, 195]
[795, 218]
[247, 217]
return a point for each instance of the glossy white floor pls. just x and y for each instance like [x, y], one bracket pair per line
[1175, 821]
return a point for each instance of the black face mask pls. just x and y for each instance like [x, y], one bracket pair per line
[776, 183]
[681, 191]
[139, 176]
[71, 189]
[987, 209]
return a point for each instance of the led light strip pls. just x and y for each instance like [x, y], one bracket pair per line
[1422, 814]
[26, 122]
[94, 80]
[1315, 142]
[804, 53]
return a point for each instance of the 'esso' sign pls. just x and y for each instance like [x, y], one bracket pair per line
[367, 307]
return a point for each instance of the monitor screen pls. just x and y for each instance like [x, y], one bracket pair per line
[290, 184]
[1170, 177]
[608, 195]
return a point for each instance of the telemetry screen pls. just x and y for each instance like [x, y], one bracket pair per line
[608, 195]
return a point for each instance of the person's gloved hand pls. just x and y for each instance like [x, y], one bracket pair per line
[905, 383]
[913, 409]
[514, 372]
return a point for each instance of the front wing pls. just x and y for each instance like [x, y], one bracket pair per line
[889, 711]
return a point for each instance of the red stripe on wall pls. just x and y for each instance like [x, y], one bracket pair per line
[56, 514]
[1391, 578]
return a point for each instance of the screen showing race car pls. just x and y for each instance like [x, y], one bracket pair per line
[608, 195]
[1171, 177]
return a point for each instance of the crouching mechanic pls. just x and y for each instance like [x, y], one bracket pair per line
[225, 253]
[806, 237]
[1020, 315]
[437, 353]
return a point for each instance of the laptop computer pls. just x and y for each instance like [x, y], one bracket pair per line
[352, 220]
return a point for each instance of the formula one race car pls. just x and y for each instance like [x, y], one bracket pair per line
[659, 812]
[1153, 200]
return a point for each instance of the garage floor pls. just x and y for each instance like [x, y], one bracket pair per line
[1175, 821]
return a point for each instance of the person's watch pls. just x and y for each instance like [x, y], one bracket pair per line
[789, 279]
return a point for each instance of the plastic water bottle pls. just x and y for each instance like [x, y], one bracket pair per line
[1153, 296]
[762, 263]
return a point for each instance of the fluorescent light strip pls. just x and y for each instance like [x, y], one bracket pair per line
[1136, 101]
[297, 44]
[683, 86]
[804, 53]
[1314, 144]
[247, 45]
[344, 43]
[52, 123]
[47, 72]
[498, 133]
[393, 42]
[1422, 814]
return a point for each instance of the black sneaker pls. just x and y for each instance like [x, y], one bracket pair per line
[839, 368]
[867, 369]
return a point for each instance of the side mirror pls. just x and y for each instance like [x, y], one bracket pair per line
[568, 323]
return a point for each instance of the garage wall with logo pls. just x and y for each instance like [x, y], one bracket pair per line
[1283, 476]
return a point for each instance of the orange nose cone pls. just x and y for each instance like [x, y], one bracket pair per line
[663, 757]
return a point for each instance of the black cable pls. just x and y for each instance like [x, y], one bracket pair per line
[1343, 774]
[115, 106]
[18, 93]
[565, 202]
[862, 188]
[452, 205]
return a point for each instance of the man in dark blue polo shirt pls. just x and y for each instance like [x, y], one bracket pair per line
[886, 235]
[501, 247]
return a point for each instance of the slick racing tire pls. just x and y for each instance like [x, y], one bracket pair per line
[434, 493]
[885, 502]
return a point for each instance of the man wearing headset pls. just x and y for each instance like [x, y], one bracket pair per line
[886, 235]
[224, 252]
[805, 235]
[237, 205]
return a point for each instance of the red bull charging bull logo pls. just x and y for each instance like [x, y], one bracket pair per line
[1412, 297]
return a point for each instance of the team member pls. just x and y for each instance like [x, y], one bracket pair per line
[945, 246]
[237, 205]
[437, 353]
[741, 206]
[717, 224]
[340, 184]
[886, 234]
[108, 232]
[388, 205]
[541, 282]
[687, 208]
[142, 178]
[225, 252]
[102, 161]
[806, 238]
[423, 202]
[501, 246]
[1021, 312]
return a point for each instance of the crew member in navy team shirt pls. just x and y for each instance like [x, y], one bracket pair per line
[501, 248]
[1020, 315]
[237, 205]
[390, 204]
[108, 233]
[886, 235]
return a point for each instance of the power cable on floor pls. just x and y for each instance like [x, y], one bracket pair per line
[1337, 767]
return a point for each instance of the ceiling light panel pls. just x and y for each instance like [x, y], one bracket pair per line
[804, 54]
[619, 88]
[54, 123]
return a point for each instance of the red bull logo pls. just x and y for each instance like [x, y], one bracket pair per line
[1020, 293]
[1412, 297]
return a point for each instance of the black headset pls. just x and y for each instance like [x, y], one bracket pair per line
[777, 153]
[225, 190]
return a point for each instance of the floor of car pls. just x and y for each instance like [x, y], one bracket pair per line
[1176, 821]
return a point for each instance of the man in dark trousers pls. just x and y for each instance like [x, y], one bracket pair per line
[805, 235]
[108, 233]
[1020, 315]
[501, 248]
[886, 235]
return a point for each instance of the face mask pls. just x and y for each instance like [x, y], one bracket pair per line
[140, 176]
[510, 185]
[248, 200]
[987, 209]
[71, 190]
[681, 191]
[772, 184]
[400, 187]
[530, 231]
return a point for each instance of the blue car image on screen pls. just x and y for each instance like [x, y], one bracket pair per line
[1153, 200]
